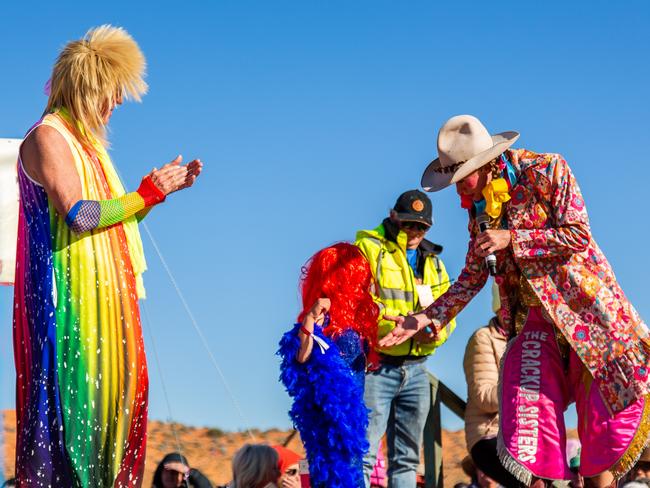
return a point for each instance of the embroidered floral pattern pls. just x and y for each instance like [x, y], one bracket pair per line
[581, 333]
[519, 195]
[641, 373]
[577, 202]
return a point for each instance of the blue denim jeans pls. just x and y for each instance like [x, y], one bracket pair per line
[398, 398]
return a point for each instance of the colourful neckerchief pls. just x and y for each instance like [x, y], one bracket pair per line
[495, 194]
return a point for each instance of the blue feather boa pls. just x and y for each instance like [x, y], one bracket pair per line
[328, 408]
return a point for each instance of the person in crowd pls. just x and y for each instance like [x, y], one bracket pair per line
[378, 477]
[289, 468]
[174, 472]
[255, 466]
[641, 483]
[573, 450]
[82, 384]
[640, 473]
[324, 361]
[478, 478]
[481, 364]
[577, 336]
[408, 275]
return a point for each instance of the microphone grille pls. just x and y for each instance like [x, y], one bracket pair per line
[482, 219]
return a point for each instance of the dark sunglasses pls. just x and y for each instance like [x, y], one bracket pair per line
[414, 225]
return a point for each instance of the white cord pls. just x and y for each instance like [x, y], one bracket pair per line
[170, 417]
[199, 332]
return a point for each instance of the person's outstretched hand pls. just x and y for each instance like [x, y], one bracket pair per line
[427, 335]
[175, 176]
[405, 328]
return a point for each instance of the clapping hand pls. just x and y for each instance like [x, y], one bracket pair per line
[175, 176]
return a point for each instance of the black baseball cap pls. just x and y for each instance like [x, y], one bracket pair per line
[414, 206]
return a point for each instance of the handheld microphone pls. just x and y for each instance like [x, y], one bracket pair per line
[483, 222]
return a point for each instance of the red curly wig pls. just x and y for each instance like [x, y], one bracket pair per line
[342, 274]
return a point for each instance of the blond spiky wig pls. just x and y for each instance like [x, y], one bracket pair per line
[91, 72]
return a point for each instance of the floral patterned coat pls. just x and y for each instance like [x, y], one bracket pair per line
[552, 248]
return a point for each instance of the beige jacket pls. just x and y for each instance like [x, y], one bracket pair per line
[481, 363]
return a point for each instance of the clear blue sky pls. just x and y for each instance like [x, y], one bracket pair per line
[311, 118]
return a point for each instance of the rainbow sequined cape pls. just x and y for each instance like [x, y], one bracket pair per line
[81, 370]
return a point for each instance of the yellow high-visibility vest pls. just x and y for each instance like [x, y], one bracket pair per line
[395, 285]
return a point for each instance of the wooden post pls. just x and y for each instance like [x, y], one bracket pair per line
[440, 393]
[433, 439]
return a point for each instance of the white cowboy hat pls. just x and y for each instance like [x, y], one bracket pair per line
[464, 145]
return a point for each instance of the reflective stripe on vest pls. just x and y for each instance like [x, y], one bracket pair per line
[395, 294]
[389, 293]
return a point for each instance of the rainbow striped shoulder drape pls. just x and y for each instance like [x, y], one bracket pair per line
[80, 363]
